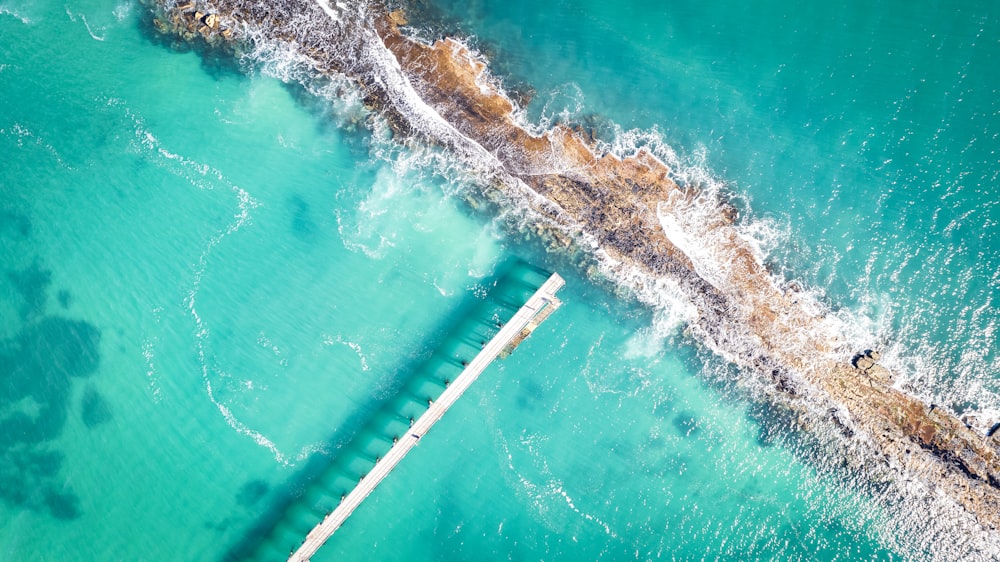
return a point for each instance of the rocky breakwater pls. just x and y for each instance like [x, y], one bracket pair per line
[645, 229]
[189, 21]
[640, 217]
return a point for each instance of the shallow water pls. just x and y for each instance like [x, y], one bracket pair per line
[213, 279]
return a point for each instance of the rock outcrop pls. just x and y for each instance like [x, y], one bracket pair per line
[187, 21]
[867, 364]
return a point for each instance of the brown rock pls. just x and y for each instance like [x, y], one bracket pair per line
[863, 363]
[397, 17]
[880, 374]
[212, 21]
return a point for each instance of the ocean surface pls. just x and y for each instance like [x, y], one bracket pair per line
[218, 284]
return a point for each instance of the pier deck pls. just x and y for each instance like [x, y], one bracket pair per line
[542, 303]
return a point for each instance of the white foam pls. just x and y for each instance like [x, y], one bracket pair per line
[200, 176]
[8, 11]
[562, 105]
[23, 135]
[152, 374]
[122, 10]
[203, 333]
[354, 346]
[83, 18]
[558, 489]
[333, 12]
[90, 30]
[441, 291]
[266, 343]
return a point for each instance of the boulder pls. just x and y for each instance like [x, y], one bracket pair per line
[994, 431]
[863, 363]
[975, 423]
[880, 374]
[874, 355]
[212, 21]
[397, 17]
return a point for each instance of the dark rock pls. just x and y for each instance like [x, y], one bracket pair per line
[993, 430]
[863, 363]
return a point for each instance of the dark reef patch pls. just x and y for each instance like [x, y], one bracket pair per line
[65, 299]
[33, 428]
[94, 409]
[32, 283]
[38, 367]
[530, 396]
[14, 223]
[63, 506]
[252, 492]
[303, 226]
[686, 424]
[57, 349]
[30, 481]
[777, 425]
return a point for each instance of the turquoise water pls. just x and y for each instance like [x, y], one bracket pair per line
[212, 280]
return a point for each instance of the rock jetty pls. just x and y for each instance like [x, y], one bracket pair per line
[634, 217]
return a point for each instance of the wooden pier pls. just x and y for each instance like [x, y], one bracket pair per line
[527, 318]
